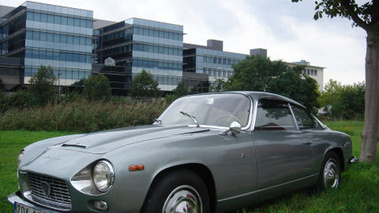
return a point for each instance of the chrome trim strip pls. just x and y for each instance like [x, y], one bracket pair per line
[265, 189]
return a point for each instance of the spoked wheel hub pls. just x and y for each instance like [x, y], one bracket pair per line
[331, 174]
[183, 199]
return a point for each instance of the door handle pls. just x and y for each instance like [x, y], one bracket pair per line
[307, 143]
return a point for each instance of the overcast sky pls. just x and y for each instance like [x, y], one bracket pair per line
[287, 30]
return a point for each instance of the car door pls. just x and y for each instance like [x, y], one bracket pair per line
[315, 132]
[283, 152]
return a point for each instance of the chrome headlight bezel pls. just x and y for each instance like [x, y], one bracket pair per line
[103, 175]
[89, 180]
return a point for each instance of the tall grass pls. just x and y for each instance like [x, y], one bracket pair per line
[83, 116]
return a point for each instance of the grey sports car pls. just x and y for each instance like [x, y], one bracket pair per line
[205, 153]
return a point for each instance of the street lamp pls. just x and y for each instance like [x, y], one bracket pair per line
[59, 86]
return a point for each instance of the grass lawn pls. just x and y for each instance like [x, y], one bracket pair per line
[358, 192]
[11, 143]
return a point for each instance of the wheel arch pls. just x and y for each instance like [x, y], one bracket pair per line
[201, 170]
[339, 153]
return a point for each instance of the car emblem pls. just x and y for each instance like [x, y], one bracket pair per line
[46, 188]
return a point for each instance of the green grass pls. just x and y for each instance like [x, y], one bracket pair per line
[358, 192]
[353, 129]
[11, 143]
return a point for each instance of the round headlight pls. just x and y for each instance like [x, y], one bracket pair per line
[103, 176]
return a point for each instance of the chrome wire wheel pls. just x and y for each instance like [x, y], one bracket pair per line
[178, 191]
[183, 199]
[331, 174]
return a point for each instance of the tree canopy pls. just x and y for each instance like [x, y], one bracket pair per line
[258, 73]
[343, 101]
[180, 90]
[218, 86]
[365, 16]
[41, 85]
[97, 87]
[144, 86]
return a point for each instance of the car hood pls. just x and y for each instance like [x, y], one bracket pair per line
[103, 142]
[57, 156]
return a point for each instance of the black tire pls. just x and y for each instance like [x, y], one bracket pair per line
[177, 190]
[330, 173]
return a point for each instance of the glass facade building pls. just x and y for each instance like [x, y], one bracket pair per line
[139, 44]
[49, 35]
[210, 60]
[75, 45]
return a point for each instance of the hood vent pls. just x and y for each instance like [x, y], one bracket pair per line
[74, 145]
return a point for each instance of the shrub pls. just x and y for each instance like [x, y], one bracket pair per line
[84, 116]
[21, 99]
[42, 85]
[97, 87]
[144, 86]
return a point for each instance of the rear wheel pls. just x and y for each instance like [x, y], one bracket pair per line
[330, 174]
[178, 191]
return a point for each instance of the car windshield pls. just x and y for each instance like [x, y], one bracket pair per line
[210, 110]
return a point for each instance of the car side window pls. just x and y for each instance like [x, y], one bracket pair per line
[304, 119]
[274, 115]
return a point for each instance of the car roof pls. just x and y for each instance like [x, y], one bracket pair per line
[268, 95]
[256, 95]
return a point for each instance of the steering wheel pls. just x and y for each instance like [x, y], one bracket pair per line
[228, 116]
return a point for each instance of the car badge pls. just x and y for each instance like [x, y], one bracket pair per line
[46, 187]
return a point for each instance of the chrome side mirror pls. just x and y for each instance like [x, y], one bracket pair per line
[234, 127]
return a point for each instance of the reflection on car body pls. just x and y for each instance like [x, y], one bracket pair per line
[206, 153]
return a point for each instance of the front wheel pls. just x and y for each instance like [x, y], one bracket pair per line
[330, 174]
[177, 192]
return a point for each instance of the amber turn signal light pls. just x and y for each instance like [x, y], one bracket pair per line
[136, 167]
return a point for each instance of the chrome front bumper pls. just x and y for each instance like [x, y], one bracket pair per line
[352, 160]
[17, 197]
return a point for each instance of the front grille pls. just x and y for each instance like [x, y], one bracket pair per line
[49, 191]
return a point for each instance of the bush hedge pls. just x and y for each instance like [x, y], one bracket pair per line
[83, 116]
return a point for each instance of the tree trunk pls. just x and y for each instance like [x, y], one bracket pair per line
[371, 123]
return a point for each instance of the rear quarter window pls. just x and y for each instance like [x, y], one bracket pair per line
[304, 119]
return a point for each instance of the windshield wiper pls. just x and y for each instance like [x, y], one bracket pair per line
[190, 116]
[158, 121]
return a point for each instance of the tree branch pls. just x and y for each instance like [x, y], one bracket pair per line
[352, 13]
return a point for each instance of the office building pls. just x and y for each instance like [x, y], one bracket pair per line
[49, 35]
[312, 71]
[217, 64]
[210, 60]
[139, 44]
[10, 69]
[75, 45]
[259, 51]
